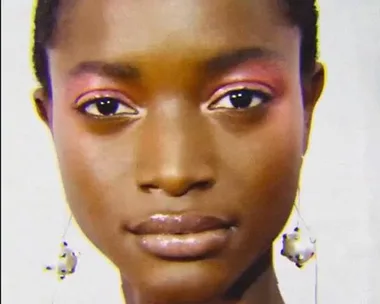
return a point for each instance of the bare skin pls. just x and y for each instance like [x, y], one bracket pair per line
[175, 143]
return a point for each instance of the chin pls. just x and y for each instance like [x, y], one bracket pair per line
[181, 282]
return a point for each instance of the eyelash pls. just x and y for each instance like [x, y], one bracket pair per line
[109, 103]
[238, 92]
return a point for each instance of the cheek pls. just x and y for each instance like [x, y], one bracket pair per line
[95, 173]
[263, 170]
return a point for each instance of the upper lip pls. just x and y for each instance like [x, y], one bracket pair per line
[179, 224]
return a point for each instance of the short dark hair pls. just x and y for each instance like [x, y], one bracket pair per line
[301, 13]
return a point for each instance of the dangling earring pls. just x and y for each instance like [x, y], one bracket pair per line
[297, 246]
[67, 259]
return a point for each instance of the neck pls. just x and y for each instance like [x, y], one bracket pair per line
[256, 285]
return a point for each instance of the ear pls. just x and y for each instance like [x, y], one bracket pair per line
[43, 106]
[312, 90]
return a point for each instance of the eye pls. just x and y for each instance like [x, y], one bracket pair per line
[241, 99]
[103, 107]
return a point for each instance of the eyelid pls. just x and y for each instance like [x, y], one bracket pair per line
[224, 90]
[88, 97]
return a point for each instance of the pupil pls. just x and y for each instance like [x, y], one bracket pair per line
[107, 106]
[241, 99]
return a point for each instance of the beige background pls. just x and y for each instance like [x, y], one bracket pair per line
[341, 180]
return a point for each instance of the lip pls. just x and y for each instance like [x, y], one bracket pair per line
[179, 224]
[182, 236]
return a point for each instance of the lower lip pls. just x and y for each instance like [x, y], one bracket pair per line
[185, 246]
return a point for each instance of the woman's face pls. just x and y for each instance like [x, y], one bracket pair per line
[175, 117]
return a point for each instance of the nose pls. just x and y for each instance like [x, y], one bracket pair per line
[175, 153]
[175, 182]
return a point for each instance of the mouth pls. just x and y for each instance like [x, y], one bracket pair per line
[183, 236]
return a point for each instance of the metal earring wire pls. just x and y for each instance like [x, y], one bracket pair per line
[298, 249]
[313, 240]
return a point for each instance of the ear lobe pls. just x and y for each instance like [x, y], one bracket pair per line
[42, 105]
[312, 91]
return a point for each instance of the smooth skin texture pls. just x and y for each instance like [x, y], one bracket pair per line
[176, 142]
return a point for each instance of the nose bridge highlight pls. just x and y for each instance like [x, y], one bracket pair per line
[175, 153]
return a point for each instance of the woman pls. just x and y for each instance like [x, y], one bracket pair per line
[180, 128]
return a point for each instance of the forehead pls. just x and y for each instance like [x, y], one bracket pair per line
[155, 29]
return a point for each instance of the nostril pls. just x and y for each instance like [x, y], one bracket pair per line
[175, 186]
[202, 185]
[149, 188]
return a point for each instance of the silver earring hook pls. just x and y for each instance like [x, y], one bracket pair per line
[67, 227]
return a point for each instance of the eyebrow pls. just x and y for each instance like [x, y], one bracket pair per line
[217, 64]
[232, 59]
[118, 71]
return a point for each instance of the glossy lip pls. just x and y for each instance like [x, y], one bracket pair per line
[179, 224]
[182, 236]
